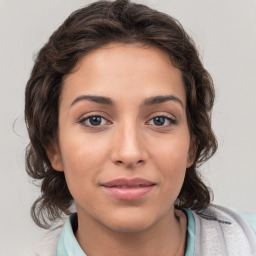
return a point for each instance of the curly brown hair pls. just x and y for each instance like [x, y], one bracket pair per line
[90, 28]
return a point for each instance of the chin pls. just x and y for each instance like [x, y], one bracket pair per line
[128, 223]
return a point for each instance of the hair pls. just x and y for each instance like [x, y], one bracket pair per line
[90, 28]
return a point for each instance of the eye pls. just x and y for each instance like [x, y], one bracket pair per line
[162, 121]
[92, 121]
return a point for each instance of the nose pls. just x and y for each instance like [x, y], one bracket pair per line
[128, 148]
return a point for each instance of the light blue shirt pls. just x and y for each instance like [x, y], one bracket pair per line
[68, 245]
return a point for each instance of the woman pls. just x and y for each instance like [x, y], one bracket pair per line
[118, 112]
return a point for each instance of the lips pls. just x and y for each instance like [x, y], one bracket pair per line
[128, 189]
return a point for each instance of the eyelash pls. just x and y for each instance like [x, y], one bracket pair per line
[170, 119]
[83, 121]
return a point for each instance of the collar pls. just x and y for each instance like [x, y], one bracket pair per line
[68, 245]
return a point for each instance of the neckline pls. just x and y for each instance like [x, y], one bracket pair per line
[68, 245]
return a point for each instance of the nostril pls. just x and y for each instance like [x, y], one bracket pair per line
[129, 164]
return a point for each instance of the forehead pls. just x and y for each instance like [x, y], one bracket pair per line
[137, 70]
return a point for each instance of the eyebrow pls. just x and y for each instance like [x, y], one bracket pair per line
[93, 98]
[161, 99]
[147, 102]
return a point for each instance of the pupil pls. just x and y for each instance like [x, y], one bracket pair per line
[159, 120]
[95, 120]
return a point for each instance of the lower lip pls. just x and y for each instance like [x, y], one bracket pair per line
[128, 194]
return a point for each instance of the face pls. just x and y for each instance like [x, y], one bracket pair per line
[124, 141]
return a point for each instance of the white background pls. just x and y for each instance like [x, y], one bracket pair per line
[225, 32]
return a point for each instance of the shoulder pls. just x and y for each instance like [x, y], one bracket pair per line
[222, 231]
[230, 217]
[250, 218]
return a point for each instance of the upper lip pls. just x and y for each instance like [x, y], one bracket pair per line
[136, 182]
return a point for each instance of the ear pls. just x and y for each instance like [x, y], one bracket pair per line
[54, 155]
[192, 152]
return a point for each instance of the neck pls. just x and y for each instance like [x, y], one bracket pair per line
[166, 237]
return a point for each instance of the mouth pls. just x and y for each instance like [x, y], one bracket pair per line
[128, 189]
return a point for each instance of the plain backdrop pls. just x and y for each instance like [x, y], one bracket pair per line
[225, 33]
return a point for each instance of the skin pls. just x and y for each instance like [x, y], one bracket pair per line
[126, 144]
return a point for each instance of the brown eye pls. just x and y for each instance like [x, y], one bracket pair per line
[159, 120]
[91, 121]
[95, 120]
[162, 121]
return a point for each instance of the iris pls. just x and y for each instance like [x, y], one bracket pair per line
[159, 120]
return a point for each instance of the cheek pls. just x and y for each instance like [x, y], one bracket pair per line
[83, 159]
[82, 150]
[173, 152]
[171, 159]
